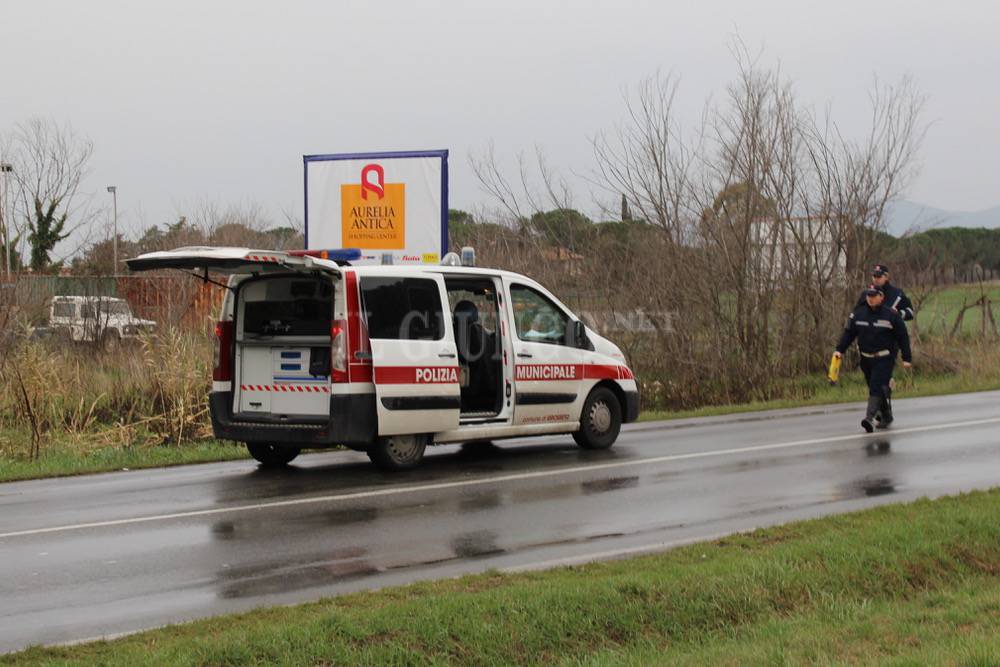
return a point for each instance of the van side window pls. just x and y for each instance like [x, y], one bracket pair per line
[63, 309]
[536, 318]
[402, 308]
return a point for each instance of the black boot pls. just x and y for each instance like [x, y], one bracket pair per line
[884, 417]
[874, 403]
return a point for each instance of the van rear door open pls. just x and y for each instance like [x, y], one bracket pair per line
[414, 356]
[283, 315]
[230, 260]
[283, 348]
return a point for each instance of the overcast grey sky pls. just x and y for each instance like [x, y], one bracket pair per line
[191, 101]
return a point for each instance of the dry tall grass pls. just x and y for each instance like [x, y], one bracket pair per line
[152, 391]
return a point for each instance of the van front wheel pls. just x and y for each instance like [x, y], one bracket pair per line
[272, 456]
[600, 421]
[398, 452]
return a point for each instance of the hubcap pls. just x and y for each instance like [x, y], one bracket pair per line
[600, 417]
[404, 447]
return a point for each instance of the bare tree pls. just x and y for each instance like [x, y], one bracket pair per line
[49, 164]
[648, 160]
[743, 238]
[768, 221]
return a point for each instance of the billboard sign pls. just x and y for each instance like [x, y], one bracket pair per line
[380, 203]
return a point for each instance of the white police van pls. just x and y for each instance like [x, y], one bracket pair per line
[312, 352]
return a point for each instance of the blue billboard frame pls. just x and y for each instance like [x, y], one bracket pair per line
[443, 154]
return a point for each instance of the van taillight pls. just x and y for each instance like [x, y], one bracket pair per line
[222, 369]
[338, 351]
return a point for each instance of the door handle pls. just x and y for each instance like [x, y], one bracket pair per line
[525, 355]
[448, 355]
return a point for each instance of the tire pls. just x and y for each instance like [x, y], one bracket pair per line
[272, 456]
[600, 421]
[398, 452]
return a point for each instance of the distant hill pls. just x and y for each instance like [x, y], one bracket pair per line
[906, 216]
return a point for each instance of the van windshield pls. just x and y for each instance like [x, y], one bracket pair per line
[287, 306]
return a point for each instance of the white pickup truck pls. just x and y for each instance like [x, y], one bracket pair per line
[93, 319]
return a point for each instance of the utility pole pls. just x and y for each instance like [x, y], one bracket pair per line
[114, 194]
[5, 168]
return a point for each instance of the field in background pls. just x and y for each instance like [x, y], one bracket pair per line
[914, 584]
[941, 309]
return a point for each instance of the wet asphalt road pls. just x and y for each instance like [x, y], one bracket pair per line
[106, 554]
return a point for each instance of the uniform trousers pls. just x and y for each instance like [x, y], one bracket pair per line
[878, 373]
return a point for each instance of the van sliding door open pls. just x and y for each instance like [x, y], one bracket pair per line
[414, 355]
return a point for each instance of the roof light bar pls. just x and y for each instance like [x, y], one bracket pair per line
[335, 254]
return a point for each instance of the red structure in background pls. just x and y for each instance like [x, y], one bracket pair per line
[174, 300]
[170, 300]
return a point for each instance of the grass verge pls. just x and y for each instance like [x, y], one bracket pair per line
[914, 584]
[62, 458]
[815, 390]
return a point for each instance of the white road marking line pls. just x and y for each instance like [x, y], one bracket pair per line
[399, 490]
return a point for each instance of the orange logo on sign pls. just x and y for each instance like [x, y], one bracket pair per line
[373, 212]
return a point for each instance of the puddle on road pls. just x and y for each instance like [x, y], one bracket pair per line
[609, 484]
[340, 517]
[480, 500]
[875, 486]
[878, 448]
[321, 569]
[476, 543]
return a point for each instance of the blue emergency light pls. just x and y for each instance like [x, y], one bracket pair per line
[334, 254]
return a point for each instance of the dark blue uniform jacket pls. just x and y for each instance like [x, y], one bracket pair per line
[894, 298]
[876, 330]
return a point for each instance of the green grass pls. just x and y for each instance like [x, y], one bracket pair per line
[903, 584]
[816, 390]
[936, 315]
[952, 626]
[61, 457]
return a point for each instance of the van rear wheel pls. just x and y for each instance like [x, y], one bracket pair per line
[272, 456]
[601, 420]
[398, 452]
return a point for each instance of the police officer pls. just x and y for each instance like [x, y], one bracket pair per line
[895, 298]
[881, 335]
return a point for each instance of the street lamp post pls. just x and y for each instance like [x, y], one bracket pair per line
[5, 168]
[114, 194]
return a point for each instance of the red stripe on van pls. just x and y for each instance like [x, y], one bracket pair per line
[606, 372]
[361, 372]
[571, 372]
[416, 375]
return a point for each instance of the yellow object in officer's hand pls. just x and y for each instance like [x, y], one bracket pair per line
[833, 375]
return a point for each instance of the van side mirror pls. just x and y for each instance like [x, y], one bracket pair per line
[580, 338]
